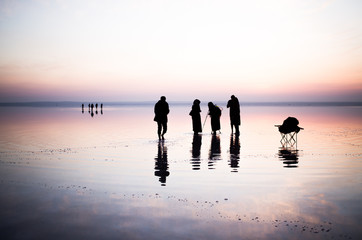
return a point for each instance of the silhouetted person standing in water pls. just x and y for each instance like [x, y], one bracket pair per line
[215, 113]
[161, 110]
[234, 106]
[196, 117]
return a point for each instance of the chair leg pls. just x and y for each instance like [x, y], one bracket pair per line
[289, 140]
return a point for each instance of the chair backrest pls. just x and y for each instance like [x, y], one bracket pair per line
[289, 125]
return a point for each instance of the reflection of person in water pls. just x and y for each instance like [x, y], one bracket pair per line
[215, 113]
[196, 117]
[196, 152]
[234, 152]
[234, 106]
[161, 164]
[161, 110]
[215, 150]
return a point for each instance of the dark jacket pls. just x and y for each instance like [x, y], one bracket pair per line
[196, 118]
[215, 113]
[161, 110]
[234, 106]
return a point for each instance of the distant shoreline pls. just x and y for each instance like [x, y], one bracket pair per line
[174, 103]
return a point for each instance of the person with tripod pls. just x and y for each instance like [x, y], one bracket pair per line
[215, 114]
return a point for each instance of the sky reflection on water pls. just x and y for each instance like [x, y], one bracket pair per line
[109, 176]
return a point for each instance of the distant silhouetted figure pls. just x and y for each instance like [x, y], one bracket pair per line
[91, 111]
[89, 107]
[101, 105]
[96, 106]
[82, 108]
[234, 106]
[196, 117]
[161, 110]
[215, 113]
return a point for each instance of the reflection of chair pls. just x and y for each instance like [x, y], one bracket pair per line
[289, 156]
[289, 131]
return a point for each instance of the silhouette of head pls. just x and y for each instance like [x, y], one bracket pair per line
[196, 101]
[163, 98]
[210, 104]
[232, 97]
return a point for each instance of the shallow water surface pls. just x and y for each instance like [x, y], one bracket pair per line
[67, 174]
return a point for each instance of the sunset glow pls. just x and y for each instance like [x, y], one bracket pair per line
[139, 50]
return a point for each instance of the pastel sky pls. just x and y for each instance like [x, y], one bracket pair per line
[262, 50]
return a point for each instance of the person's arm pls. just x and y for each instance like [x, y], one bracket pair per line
[229, 103]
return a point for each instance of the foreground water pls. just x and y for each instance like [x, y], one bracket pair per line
[65, 174]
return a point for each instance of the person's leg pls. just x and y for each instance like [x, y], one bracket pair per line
[237, 129]
[159, 127]
[164, 125]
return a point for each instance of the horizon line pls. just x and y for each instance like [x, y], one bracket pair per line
[181, 102]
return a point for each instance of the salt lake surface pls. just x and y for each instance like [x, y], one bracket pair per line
[65, 174]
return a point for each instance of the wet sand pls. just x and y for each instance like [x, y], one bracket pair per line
[66, 174]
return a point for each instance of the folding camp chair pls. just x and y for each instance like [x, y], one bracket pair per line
[289, 139]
